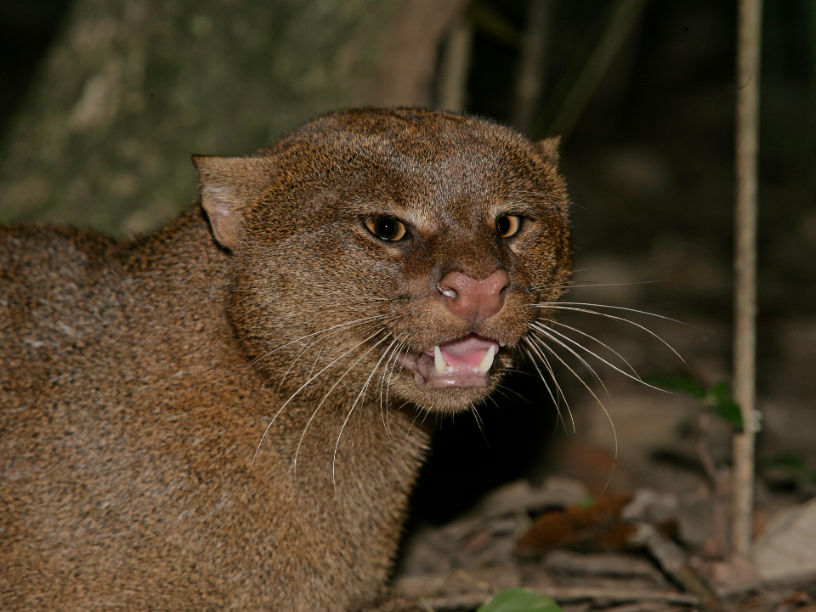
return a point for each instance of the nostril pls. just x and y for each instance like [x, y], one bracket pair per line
[473, 299]
[446, 291]
[500, 280]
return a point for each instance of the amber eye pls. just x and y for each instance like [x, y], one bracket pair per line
[386, 228]
[508, 225]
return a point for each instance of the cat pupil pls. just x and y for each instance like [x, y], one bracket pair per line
[387, 228]
[503, 223]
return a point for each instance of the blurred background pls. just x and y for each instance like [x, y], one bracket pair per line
[102, 103]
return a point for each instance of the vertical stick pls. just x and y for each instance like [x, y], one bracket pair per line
[533, 59]
[455, 68]
[747, 137]
[622, 20]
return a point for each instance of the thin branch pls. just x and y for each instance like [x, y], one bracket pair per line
[455, 68]
[621, 22]
[533, 59]
[747, 138]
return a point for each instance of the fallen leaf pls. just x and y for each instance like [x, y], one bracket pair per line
[519, 600]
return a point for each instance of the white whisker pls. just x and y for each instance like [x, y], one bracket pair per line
[588, 285]
[588, 388]
[636, 377]
[357, 399]
[292, 363]
[325, 397]
[323, 331]
[543, 330]
[399, 348]
[609, 348]
[560, 392]
[303, 386]
[390, 354]
[571, 307]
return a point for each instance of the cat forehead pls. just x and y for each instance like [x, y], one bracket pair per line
[382, 160]
[420, 162]
[418, 134]
[459, 181]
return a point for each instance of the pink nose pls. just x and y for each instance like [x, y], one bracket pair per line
[471, 299]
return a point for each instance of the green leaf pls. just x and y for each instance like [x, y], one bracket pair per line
[788, 460]
[519, 600]
[718, 399]
[491, 22]
[678, 384]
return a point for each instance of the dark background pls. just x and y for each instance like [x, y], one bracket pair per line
[650, 169]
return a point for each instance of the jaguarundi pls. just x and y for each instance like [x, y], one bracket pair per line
[229, 414]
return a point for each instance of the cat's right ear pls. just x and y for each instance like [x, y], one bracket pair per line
[548, 149]
[227, 185]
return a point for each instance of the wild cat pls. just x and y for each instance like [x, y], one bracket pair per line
[227, 414]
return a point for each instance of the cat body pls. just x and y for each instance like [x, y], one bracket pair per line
[228, 414]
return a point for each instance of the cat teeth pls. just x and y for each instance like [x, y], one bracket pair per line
[440, 365]
[487, 360]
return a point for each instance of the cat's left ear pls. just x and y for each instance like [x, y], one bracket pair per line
[548, 149]
[227, 185]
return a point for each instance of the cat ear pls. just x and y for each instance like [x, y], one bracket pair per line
[548, 148]
[227, 184]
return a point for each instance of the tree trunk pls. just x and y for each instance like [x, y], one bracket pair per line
[131, 89]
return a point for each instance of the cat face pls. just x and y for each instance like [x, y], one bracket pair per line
[391, 255]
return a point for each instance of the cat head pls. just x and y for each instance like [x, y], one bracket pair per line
[394, 253]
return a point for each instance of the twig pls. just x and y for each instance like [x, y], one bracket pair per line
[673, 561]
[533, 56]
[622, 20]
[563, 594]
[721, 491]
[455, 68]
[747, 137]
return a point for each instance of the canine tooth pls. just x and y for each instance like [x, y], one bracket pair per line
[440, 365]
[487, 360]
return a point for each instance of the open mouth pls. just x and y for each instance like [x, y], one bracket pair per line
[463, 363]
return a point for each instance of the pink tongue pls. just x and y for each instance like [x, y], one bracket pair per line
[467, 351]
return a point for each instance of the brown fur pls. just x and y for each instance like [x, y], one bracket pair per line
[138, 378]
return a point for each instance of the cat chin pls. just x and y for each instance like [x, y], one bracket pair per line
[444, 399]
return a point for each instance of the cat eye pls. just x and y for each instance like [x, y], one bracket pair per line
[508, 225]
[386, 228]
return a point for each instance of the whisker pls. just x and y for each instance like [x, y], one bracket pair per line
[385, 369]
[389, 369]
[479, 423]
[568, 306]
[492, 399]
[416, 416]
[562, 306]
[357, 399]
[504, 390]
[543, 330]
[636, 377]
[560, 392]
[298, 356]
[591, 392]
[400, 347]
[589, 285]
[317, 358]
[323, 331]
[291, 397]
[326, 396]
[591, 337]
